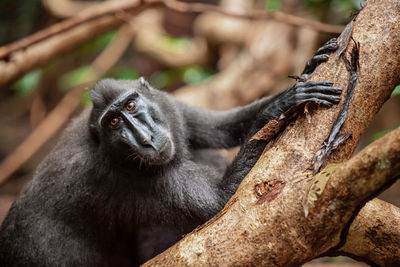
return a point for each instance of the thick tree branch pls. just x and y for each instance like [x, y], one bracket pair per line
[375, 234]
[266, 225]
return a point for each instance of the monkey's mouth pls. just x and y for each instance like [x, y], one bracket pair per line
[164, 153]
[163, 146]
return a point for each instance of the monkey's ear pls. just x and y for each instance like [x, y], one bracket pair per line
[105, 92]
[144, 83]
[94, 132]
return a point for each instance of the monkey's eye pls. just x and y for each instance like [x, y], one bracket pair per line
[130, 105]
[114, 122]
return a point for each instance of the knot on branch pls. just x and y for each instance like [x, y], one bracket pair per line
[268, 190]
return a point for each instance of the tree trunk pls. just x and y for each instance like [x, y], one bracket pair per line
[276, 217]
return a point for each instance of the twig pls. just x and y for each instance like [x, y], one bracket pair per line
[114, 7]
[41, 53]
[110, 7]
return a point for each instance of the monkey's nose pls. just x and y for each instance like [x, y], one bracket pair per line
[148, 141]
[145, 141]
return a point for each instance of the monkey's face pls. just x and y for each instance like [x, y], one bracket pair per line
[135, 128]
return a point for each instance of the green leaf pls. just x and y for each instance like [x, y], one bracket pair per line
[166, 78]
[188, 75]
[77, 76]
[274, 5]
[98, 44]
[28, 83]
[161, 79]
[176, 42]
[396, 91]
[347, 7]
[378, 135]
[123, 73]
[86, 101]
[196, 74]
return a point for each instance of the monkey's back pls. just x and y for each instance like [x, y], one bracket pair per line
[34, 230]
[74, 205]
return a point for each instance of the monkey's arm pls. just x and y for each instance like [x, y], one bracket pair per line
[220, 129]
[251, 151]
[212, 129]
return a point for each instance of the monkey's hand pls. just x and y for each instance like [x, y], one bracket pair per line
[322, 55]
[322, 93]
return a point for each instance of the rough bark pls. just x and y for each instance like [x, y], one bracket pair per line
[266, 225]
[375, 234]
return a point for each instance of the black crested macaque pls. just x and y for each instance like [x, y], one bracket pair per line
[134, 173]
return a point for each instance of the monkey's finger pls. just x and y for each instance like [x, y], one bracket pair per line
[315, 83]
[320, 96]
[328, 47]
[318, 59]
[332, 40]
[322, 89]
[319, 101]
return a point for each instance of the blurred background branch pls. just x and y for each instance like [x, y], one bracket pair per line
[49, 126]
[33, 48]
[67, 8]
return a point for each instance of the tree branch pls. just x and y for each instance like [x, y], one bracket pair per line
[114, 7]
[151, 40]
[375, 234]
[41, 53]
[41, 134]
[36, 50]
[105, 9]
[67, 8]
[264, 223]
[255, 14]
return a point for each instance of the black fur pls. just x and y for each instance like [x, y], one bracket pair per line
[118, 195]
